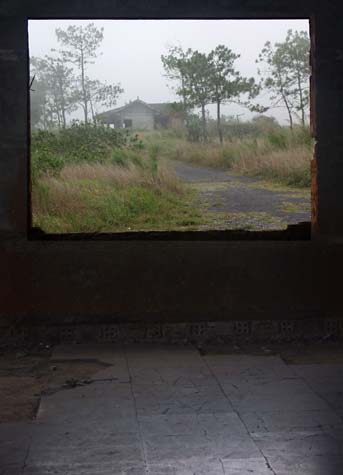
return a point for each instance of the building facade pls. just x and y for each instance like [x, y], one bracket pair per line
[139, 115]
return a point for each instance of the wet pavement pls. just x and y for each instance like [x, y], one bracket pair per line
[163, 409]
[244, 202]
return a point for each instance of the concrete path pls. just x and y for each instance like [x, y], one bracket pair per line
[162, 410]
[236, 201]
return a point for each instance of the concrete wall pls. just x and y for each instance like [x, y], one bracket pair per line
[142, 117]
[170, 279]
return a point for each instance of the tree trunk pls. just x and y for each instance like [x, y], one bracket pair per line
[44, 117]
[92, 110]
[63, 111]
[83, 86]
[203, 117]
[302, 105]
[184, 100]
[219, 125]
[284, 98]
[289, 111]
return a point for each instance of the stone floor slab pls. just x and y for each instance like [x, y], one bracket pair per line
[248, 368]
[299, 444]
[309, 465]
[272, 395]
[161, 410]
[210, 425]
[15, 440]
[166, 399]
[254, 466]
[290, 421]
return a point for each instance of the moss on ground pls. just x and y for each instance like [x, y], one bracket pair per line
[292, 192]
[249, 221]
[295, 207]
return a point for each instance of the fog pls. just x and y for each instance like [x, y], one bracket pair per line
[131, 51]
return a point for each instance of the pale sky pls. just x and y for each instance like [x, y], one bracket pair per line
[131, 51]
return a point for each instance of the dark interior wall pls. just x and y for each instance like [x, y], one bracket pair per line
[170, 280]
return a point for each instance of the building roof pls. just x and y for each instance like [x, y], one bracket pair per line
[157, 108]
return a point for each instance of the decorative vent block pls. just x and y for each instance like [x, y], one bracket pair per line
[243, 328]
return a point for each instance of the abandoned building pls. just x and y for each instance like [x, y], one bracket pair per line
[139, 115]
[153, 407]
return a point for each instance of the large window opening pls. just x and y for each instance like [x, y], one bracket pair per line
[169, 125]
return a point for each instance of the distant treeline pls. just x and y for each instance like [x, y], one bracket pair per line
[61, 85]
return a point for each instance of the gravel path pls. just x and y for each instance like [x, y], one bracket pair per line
[235, 201]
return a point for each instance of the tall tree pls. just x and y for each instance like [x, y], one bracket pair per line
[198, 87]
[276, 77]
[38, 101]
[174, 64]
[296, 51]
[286, 73]
[227, 85]
[56, 79]
[102, 94]
[81, 45]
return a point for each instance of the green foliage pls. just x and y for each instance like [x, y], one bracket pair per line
[43, 161]
[81, 45]
[285, 73]
[281, 156]
[227, 83]
[63, 76]
[228, 157]
[300, 178]
[194, 128]
[80, 143]
[302, 136]
[207, 79]
[153, 159]
[278, 140]
[53, 84]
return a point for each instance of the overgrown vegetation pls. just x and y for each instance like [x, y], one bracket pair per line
[91, 178]
[80, 143]
[278, 154]
[95, 179]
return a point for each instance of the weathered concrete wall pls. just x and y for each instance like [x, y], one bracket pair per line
[14, 171]
[170, 280]
[328, 112]
[142, 118]
[161, 8]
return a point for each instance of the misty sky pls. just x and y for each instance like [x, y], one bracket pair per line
[132, 49]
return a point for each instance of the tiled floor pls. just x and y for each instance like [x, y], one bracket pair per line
[163, 409]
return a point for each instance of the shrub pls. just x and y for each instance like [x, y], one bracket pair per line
[228, 156]
[84, 142]
[303, 137]
[278, 140]
[194, 128]
[45, 162]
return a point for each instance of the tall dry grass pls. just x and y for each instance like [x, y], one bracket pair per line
[164, 177]
[291, 166]
[66, 193]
